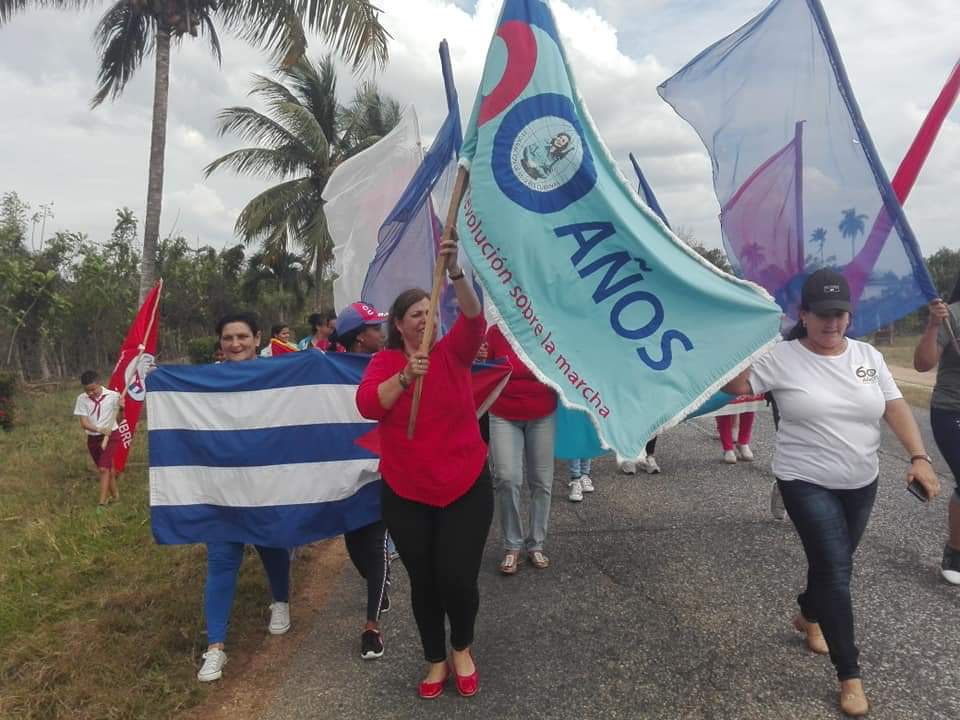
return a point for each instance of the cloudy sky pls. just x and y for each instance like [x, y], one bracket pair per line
[88, 162]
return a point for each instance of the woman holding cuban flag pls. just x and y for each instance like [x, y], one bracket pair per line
[239, 335]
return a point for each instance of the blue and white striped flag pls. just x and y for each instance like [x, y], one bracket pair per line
[260, 452]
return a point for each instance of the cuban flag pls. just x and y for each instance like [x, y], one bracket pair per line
[268, 452]
[595, 292]
[260, 452]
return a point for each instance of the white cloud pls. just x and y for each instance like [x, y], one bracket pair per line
[898, 53]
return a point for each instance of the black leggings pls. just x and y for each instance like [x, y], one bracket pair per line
[946, 433]
[367, 547]
[442, 549]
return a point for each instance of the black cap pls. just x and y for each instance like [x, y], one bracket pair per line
[825, 290]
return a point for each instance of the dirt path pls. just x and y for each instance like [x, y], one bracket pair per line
[256, 668]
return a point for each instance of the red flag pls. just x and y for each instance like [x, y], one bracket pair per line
[129, 374]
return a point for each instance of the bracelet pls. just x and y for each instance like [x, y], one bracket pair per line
[927, 458]
[403, 380]
[454, 278]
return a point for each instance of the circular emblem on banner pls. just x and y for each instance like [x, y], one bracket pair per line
[135, 376]
[540, 157]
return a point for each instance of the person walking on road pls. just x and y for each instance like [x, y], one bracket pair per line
[360, 330]
[239, 335]
[522, 425]
[938, 348]
[437, 498]
[832, 393]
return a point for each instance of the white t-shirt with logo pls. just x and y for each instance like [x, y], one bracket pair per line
[100, 411]
[830, 412]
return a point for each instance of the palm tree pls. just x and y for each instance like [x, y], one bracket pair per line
[131, 29]
[299, 140]
[276, 283]
[753, 256]
[850, 226]
[819, 237]
[367, 118]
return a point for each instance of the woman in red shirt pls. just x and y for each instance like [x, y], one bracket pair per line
[521, 427]
[437, 498]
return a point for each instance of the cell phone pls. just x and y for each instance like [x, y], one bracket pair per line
[917, 490]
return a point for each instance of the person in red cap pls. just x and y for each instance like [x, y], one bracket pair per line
[437, 497]
[360, 330]
[832, 392]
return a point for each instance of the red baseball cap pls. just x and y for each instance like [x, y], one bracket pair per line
[357, 315]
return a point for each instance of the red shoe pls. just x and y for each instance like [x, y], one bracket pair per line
[467, 685]
[431, 690]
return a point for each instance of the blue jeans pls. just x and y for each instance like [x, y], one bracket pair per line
[513, 445]
[580, 467]
[223, 566]
[830, 524]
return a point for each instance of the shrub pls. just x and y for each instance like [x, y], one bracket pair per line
[201, 350]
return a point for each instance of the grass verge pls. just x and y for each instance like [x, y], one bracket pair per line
[96, 620]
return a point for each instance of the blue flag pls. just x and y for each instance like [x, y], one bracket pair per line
[408, 240]
[260, 452]
[595, 292]
[799, 181]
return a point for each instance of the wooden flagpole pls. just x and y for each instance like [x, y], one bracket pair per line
[142, 348]
[459, 188]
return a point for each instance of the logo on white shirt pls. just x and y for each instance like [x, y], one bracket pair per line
[868, 376]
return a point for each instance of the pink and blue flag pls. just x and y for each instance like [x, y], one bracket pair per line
[796, 173]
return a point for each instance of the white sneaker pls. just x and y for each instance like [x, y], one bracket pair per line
[213, 662]
[279, 618]
[576, 491]
[586, 484]
[652, 467]
[628, 467]
[746, 454]
[777, 508]
[730, 457]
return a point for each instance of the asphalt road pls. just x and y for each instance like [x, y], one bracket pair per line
[669, 596]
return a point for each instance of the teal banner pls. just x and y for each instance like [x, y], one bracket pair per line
[595, 292]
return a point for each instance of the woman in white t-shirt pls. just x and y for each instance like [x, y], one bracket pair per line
[832, 393]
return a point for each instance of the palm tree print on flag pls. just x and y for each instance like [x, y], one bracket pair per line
[850, 226]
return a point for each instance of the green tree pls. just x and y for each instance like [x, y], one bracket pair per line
[299, 141]
[819, 238]
[850, 226]
[131, 29]
[944, 267]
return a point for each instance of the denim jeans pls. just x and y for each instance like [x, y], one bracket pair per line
[580, 466]
[518, 449]
[830, 524]
[223, 566]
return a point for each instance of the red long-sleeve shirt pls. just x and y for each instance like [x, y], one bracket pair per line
[447, 453]
[524, 397]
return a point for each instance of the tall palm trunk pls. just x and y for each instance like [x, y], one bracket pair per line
[158, 143]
